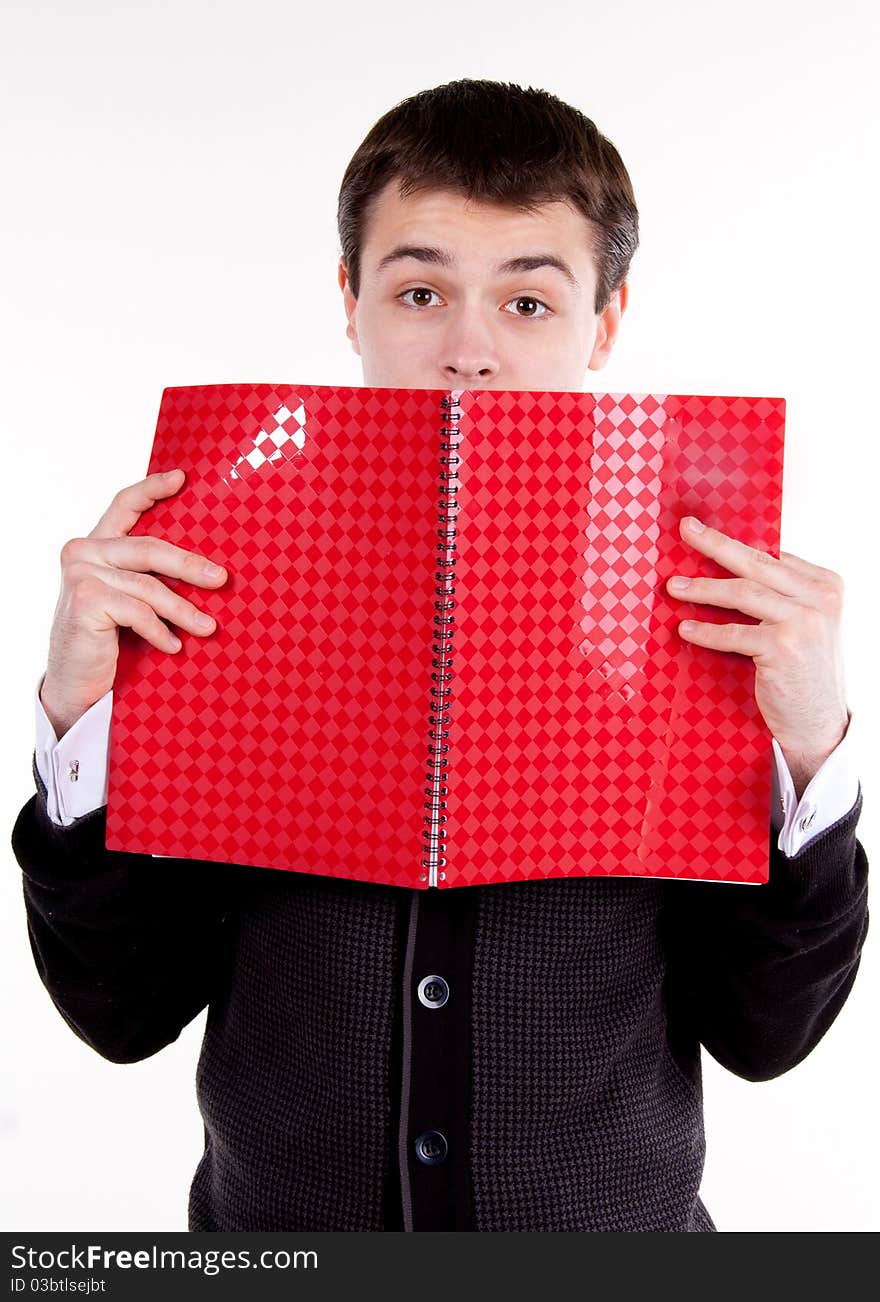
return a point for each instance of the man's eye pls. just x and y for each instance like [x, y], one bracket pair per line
[527, 298]
[521, 298]
[418, 290]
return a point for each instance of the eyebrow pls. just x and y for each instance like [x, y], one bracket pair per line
[442, 258]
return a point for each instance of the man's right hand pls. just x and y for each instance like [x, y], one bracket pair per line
[107, 581]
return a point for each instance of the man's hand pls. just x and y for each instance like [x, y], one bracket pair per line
[796, 646]
[107, 583]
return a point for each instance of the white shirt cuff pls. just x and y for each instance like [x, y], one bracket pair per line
[76, 768]
[829, 796]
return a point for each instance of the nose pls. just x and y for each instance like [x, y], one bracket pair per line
[469, 354]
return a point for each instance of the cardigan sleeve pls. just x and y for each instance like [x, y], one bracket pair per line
[759, 972]
[129, 947]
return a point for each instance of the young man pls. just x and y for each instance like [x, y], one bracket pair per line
[516, 1057]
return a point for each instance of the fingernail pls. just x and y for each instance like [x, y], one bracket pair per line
[679, 583]
[169, 474]
[212, 571]
[695, 524]
[204, 620]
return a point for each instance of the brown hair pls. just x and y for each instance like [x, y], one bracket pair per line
[497, 143]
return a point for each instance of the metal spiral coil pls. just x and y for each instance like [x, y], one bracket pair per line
[437, 767]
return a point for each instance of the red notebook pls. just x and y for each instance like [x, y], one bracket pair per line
[445, 655]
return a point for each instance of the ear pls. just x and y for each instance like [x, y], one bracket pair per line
[350, 303]
[609, 327]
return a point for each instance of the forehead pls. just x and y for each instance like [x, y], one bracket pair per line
[448, 217]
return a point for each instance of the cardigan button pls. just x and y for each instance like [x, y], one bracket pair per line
[433, 991]
[431, 1147]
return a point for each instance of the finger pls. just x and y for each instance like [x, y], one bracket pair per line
[130, 503]
[816, 573]
[144, 554]
[745, 595]
[796, 562]
[152, 592]
[744, 639]
[110, 608]
[747, 562]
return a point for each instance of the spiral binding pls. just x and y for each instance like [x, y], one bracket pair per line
[441, 661]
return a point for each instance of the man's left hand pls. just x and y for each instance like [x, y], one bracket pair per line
[796, 646]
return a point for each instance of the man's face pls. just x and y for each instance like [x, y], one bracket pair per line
[470, 324]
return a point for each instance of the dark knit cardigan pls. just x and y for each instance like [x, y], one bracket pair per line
[562, 1073]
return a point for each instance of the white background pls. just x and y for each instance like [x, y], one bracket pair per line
[170, 174]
